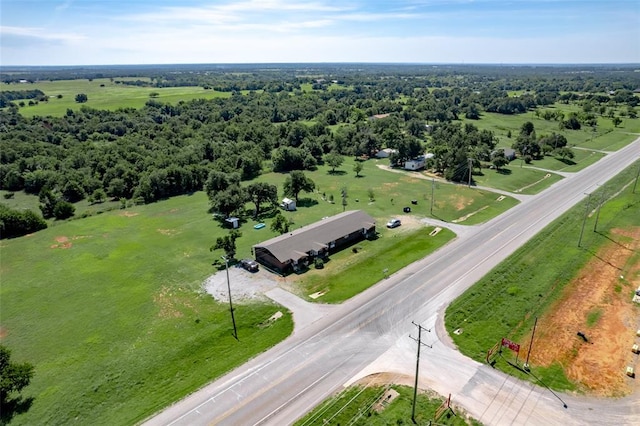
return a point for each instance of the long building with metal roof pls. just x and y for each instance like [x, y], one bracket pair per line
[297, 249]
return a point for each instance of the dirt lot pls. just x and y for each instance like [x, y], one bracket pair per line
[598, 304]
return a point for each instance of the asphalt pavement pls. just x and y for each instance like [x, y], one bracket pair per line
[370, 334]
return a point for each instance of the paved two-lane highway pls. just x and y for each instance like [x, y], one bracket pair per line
[369, 332]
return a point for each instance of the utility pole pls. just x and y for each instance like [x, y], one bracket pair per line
[470, 160]
[595, 225]
[433, 184]
[415, 386]
[526, 363]
[636, 182]
[233, 319]
[586, 213]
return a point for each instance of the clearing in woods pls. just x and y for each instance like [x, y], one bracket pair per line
[597, 303]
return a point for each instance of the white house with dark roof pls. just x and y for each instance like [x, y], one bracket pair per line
[297, 249]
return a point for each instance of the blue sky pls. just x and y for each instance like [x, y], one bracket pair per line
[97, 32]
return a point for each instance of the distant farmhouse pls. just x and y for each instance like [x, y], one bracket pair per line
[385, 153]
[509, 153]
[296, 250]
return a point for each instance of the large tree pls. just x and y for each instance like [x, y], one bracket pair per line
[219, 181]
[297, 182]
[334, 160]
[15, 223]
[262, 192]
[229, 200]
[13, 378]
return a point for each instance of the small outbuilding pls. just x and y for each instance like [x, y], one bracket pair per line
[510, 154]
[232, 222]
[288, 204]
[385, 153]
[417, 163]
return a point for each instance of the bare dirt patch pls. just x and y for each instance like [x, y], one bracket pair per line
[409, 223]
[128, 214]
[598, 304]
[460, 202]
[164, 300]
[467, 216]
[62, 242]
[168, 232]
[65, 242]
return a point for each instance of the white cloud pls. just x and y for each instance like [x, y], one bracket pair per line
[302, 31]
[236, 11]
[370, 17]
[40, 33]
[64, 5]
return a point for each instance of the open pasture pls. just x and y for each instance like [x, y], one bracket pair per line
[122, 326]
[105, 94]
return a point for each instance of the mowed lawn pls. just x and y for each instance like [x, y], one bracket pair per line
[359, 405]
[506, 301]
[606, 137]
[105, 94]
[110, 311]
[392, 192]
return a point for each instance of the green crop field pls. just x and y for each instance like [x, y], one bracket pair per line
[105, 94]
[505, 302]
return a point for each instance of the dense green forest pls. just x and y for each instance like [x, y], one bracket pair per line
[292, 118]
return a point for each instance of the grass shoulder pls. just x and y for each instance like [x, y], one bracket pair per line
[352, 271]
[384, 405]
[505, 303]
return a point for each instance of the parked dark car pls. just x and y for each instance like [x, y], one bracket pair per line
[249, 265]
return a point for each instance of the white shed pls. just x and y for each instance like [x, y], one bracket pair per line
[385, 153]
[415, 164]
[288, 204]
[233, 222]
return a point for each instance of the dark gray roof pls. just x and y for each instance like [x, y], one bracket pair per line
[316, 236]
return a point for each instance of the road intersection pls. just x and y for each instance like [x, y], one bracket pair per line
[369, 334]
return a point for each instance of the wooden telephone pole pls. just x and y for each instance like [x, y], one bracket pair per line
[415, 386]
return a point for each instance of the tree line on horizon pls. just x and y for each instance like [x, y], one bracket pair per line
[163, 150]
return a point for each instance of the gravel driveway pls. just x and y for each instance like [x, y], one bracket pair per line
[244, 285]
[264, 286]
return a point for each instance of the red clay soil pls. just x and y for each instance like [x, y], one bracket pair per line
[599, 304]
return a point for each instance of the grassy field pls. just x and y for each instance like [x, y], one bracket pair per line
[392, 192]
[121, 326]
[518, 179]
[110, 311]
[506, 301]
[105, 94]
[349, 273]
[606, 137]
[357, 406]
